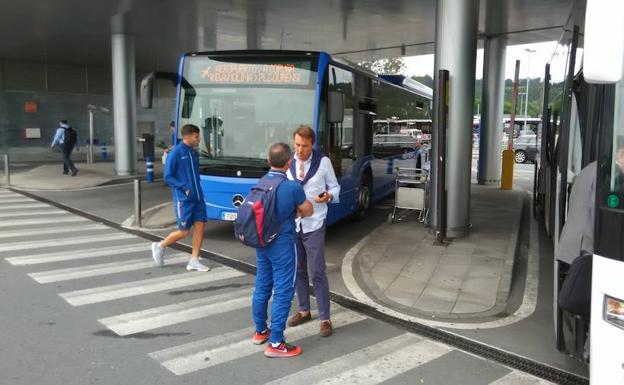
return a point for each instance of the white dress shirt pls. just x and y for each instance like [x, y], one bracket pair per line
[323, 180]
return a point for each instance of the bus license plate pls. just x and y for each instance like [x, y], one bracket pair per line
[229, 216]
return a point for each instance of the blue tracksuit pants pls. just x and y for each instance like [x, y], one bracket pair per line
[276, 267]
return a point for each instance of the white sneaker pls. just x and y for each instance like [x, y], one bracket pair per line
[158, 253]
[195, 264]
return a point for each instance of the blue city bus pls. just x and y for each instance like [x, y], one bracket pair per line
[243, 101]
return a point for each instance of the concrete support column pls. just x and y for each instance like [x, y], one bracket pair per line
[490, 136]
[124, 97]
[455, 51]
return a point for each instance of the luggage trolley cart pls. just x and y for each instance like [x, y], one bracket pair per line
[410, 192]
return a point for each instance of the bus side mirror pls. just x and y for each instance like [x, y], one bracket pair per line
[336, 102]
[604, 41]
[147, 90]
[147, 86]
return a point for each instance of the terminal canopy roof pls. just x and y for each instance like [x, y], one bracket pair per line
[78, 31]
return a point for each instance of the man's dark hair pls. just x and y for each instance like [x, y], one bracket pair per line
[306, 132]
[279, 154]
[189, 129]
[63, 121]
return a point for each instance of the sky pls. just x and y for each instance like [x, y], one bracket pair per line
[422, 65]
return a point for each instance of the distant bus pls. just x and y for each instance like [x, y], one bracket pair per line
[243, 101]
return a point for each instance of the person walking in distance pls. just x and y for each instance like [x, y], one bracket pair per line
[182, 174]
[65, 139]
[315, 173]
[276, 263]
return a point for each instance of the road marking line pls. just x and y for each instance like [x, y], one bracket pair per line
[346, 362]
[59, 275]
[519, 378]
[390, 365]
[58, 256]
[147, 286]
[52, 230]
[230, 346]
[15, 199]
[8, 217]
[154, 318]
[34, 205]
[30, 222]
[64, 241]
[5, 201]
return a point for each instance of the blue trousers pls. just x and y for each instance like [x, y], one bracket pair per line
[275, 275]
[311, 258]
[68, 165]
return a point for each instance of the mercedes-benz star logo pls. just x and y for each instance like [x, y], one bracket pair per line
[237, 200]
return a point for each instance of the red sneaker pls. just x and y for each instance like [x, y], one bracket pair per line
[282, 350]
[261, 337]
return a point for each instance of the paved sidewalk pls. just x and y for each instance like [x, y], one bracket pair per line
[398, 266]
[49, 177]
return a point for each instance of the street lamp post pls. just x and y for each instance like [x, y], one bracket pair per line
[526, 100]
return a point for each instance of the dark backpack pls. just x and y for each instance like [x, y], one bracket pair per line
[575, 292]
[256, 224]
[70, 137]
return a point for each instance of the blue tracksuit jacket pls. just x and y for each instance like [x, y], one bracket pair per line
[182, 173]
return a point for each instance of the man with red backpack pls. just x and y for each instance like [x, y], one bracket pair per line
[275, 256]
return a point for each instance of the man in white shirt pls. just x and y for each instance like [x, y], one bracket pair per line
[315, 172]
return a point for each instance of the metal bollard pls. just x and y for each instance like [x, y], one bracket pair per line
[149, 166]
[137, 203]
[7, 171]
[103, 151]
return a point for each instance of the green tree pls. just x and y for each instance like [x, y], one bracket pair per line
[389, 66]
[426, 80]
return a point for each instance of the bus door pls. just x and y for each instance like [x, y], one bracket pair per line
[340, 140]
[607, 306]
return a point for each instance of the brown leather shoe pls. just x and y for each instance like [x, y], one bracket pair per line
[298, 319]
[326, 328]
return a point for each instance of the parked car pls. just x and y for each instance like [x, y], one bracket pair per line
[525, 148]
[393, 144]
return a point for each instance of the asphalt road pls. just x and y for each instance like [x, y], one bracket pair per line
[83, 304]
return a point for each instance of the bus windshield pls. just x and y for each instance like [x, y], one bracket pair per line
[242, 105]
[617, 166]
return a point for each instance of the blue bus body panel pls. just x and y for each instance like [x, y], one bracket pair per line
[219, 192]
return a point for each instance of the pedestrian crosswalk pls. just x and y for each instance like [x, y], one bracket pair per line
[92, 264]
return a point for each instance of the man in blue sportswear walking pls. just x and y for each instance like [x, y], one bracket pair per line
[276, 263]
[182, 174]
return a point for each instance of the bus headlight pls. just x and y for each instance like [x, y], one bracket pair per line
[614, 311]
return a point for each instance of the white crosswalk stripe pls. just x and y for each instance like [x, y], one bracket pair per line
[10, 216]
[59, 256]
[158, 317]
[152, 285]
[234, 345]
[343, 363]
[5, 201]
[59, 275]
[65, 241]
[51, 230]
[390, 365]
[27, 206]
[519, 378]
[42, 221]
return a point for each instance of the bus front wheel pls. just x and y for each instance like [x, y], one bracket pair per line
[364, 194]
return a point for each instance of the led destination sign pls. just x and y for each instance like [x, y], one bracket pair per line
[214, 72]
